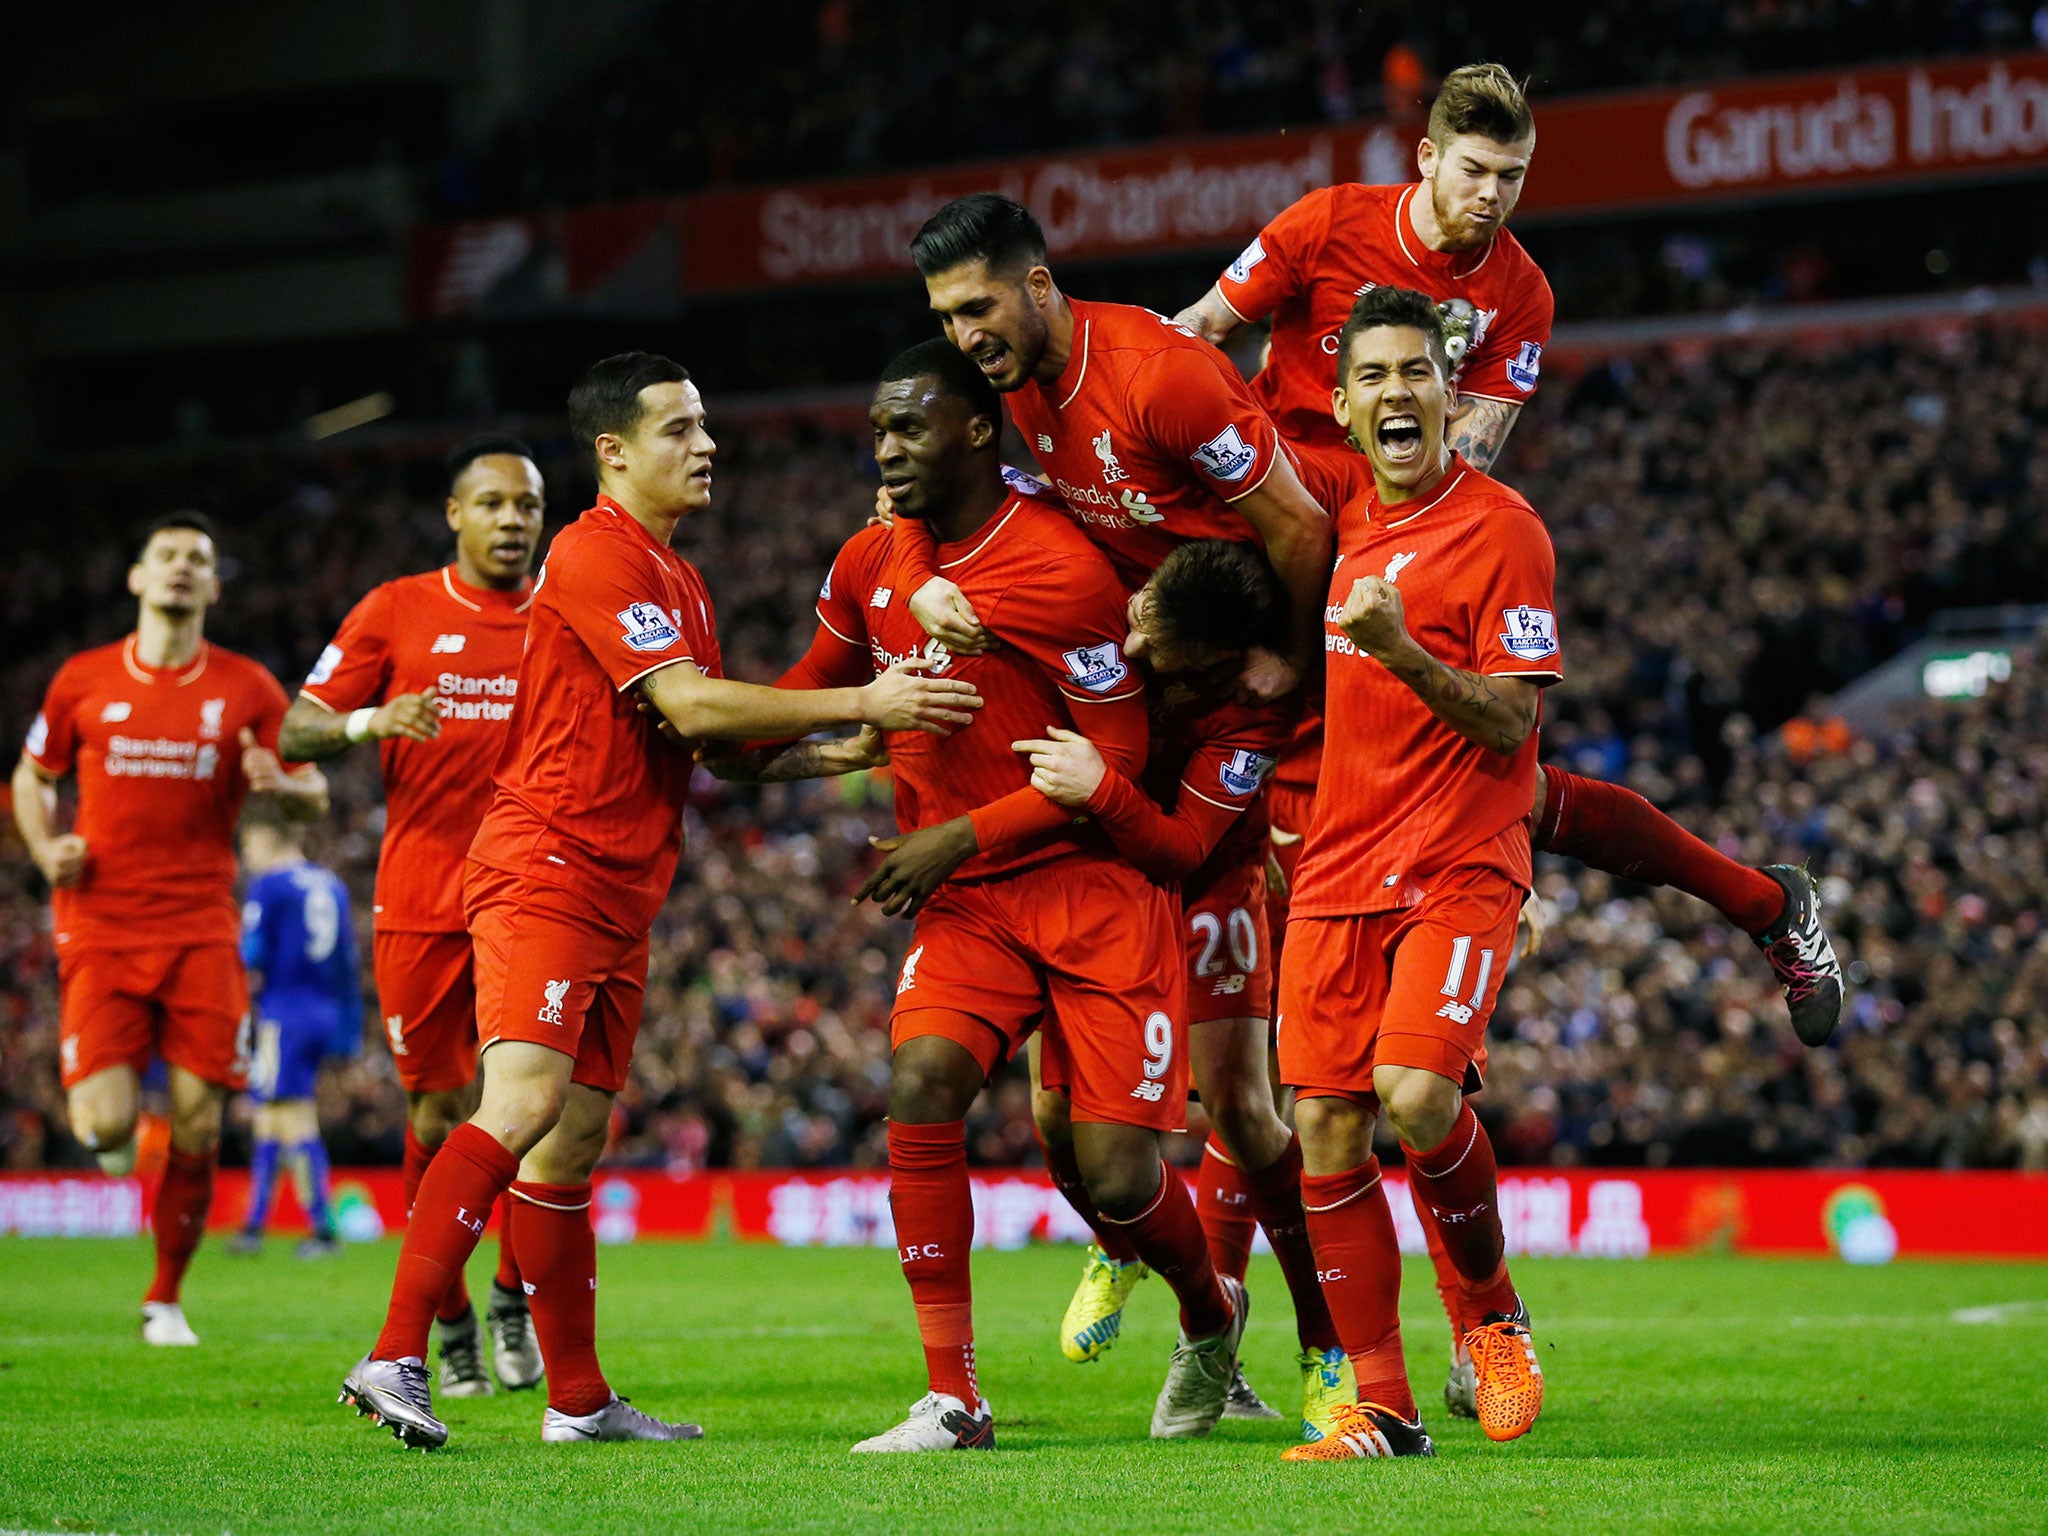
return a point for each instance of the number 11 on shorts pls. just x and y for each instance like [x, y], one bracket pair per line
[1454, 981]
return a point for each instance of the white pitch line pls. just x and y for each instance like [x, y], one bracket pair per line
[1998, 1314]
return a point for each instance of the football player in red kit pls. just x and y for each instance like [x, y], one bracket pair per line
[574, 857]
[427, 667]
[166, 735]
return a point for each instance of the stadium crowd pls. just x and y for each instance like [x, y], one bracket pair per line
[1737, 529]
[1054, 74]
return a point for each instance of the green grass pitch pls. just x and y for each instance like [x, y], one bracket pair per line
[1705, 1394]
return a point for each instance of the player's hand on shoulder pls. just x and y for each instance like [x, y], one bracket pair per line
[943, 612]
[904, 699]
[916, 865]
[410, 716]
[62, 859]
[1065, 767]
[1373, 616]
[1267, 676]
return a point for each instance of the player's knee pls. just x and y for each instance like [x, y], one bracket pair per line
[1421, 1106]
[433, 1115]
[1123, 1187]
[102, 1127]
[195, 1128]
[520, 1113]
[1336, 1134]
[1053, 1115]
[931, 1080]
[1242, 1114]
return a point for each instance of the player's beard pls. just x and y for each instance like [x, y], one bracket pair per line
[1459, 231]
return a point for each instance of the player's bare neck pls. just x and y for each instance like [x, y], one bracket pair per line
[467, 573]
[168, 640]
[660, 525]
[971, 513]
[1422, 220]
[1392, 495]
[1059, 342]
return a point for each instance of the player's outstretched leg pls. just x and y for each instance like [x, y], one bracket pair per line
[455, 1325]
[1456, 1177]
[182, 1200]
[1359, 1260]
[932, 1082]
[1615, 829]
[1111, 1268]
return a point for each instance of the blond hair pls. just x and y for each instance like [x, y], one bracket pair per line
[1483, 100]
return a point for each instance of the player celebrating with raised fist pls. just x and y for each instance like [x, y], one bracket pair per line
[427, 667]
[1440, 632]
[167, 735]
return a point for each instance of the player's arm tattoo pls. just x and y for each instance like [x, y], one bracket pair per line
[1210, 318]
[1497, 713]
[1481, 428]
[781, 763]
[311, 733]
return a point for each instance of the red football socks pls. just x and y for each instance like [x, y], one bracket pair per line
[1275, 1194]
[560, 1250]
[1167, 1235]
[508, 1263]
[1448, 1289]
[179, 1220]
[448, 1216]
[934, 1211]
[417, 1156]
[1617, 830]
[1066, 1178]
[1360, 1262]
[1458, 1182]
[1224, 1200]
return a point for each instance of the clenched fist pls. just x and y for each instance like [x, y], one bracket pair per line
[1372, 617]
[62, 859]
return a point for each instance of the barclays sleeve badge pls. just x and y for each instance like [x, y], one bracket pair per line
[1249, 257]
[1244, 771]
[1097, 668]
[1531, 633]
[1226, 456]
[648, 628]
[323, 669]
[1524, 367]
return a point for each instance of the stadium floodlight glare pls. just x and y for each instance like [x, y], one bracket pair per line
[356, 413]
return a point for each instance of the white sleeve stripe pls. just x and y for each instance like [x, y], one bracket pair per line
[1232, 501]
[666, 661]
[829, 625]
[1221, 805]
[1243, 318]
[1101, 698]
[307, 693]
[1541, 672]
[1473, 394]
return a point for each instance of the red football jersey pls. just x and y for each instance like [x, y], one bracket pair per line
[160, 789]
[1210, 758]
[1040, 586]
[1308, 267]
[429, 631]
[1403, 797]
[587, 794]
[1148, 435]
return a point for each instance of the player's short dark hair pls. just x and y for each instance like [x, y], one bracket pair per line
[198, 522]
[1394, 306]
[1482, 100]
[607, 398]
[1217, 595]
[947, 366]
[482, 448]
[985, 224]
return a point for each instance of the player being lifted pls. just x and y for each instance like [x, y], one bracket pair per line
[574, 857]
[299, 936]
[1037, 918]
[1152, 439]
[427, 666]
[166, 735]
[1440, 632]
[1446, 236]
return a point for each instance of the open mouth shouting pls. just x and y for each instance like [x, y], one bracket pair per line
[1400, 439]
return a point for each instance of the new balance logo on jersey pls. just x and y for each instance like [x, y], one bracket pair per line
[1457, 1013]
[909, 977]
[1105, 451]
[1044, 443]
[1098, 668]
[1226, 456]
[447, 645]
[1249, 257]
[1244, 771]
[1531, 633]
[209, 719]
[648, 628]
[1399, 564]
[323, 669]
[394, 1031]
[557, 995]
[881, 597]
[1151, 1093]
[119, 710]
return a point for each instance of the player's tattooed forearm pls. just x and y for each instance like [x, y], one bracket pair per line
[1469, 702]
[1480, 430]
[311, 734]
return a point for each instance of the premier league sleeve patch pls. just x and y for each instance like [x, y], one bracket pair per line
[1226, 456]
[1240, 270]
[1525, 365]
[1097, 668]
[323, 669]
[1244, 771]
[1531, 633]
[648, 628]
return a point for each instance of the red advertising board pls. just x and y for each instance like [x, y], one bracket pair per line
[1730, 141]
[1597, 1214]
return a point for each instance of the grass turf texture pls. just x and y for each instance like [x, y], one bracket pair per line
[1684, 1394]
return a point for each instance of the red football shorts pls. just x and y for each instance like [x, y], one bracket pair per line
[1088, 947]
[187, 1003]
[551, 971]
[1288, 809]
[1412, 988]
[426, 993]
[1230, 967]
